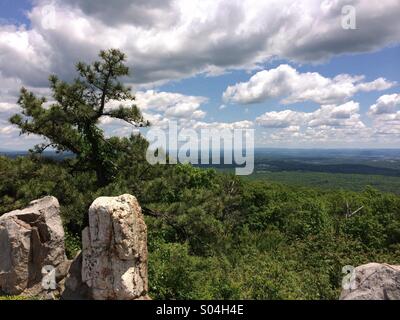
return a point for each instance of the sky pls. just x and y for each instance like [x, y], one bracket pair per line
[287, 69]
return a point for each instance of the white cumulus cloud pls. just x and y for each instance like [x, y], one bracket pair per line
[385, 114]
[386, 104]
[291, 86]
[329, 123]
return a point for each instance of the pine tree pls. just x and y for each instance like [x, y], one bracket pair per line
[71, 123]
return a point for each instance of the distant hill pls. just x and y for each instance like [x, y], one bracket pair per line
[47, 154]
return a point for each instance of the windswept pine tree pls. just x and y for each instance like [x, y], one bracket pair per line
[71, 123]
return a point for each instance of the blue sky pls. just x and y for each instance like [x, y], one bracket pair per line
[14, 11]
[385, 62]
[287, 69]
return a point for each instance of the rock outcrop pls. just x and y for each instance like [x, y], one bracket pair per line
[29, 240]
[112, 264]
[114, 250]
[74, 287]
[374, 281]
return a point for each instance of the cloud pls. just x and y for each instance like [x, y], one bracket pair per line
[145, 13]
[173, 105]
[174, 39]
[326, 135]
[8, 108]
[345, 115]
[244, 124]
[12, 140]
[8, 130]
[386, 104]
[9, 88]
[292, 86]
[281, 119]
[158, 107]
[327, 115]
[184, 111]
[385, 114]
[25, 55]
[376, 85]
[328, 123]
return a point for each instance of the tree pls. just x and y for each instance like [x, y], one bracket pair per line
[71, 123]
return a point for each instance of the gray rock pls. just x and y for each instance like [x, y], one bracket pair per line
[15, 248]
[62, 270]
[29, 240]
[114, 249]
[75, 288]
[375, 281]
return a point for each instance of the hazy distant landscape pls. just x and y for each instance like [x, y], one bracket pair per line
[331, 169]
[348, 169]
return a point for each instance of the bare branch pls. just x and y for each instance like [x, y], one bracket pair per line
[355, 212]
